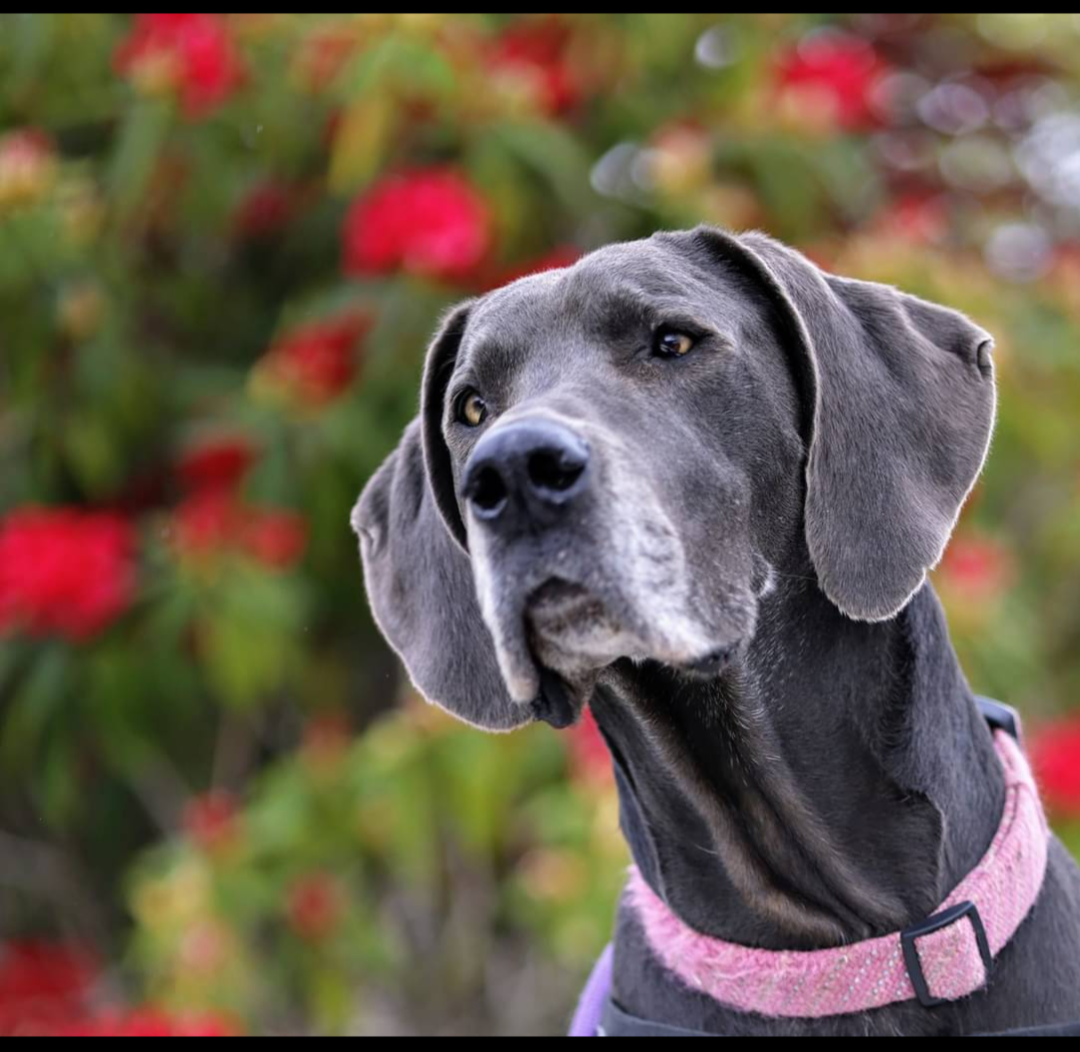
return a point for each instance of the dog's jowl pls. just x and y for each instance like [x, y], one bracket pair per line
[696, 483]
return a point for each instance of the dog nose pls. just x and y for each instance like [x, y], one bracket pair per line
[528, 471]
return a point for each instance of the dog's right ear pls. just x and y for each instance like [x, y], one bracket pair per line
[902, 397]
[419, 578]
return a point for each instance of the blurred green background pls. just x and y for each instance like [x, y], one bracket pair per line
[224, 243]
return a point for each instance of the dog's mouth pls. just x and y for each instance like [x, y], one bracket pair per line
[559, 607]
[565, 618]
[573, 610]
[564, 623]
[570, 628]
[565, 630]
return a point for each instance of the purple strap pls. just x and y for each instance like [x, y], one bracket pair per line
[590, 1005]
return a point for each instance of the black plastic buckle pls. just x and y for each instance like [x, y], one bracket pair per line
[998, 714]
[936, 923]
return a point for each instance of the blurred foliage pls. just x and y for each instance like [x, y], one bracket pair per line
[224, 242]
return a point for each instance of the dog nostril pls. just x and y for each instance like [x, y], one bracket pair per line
[488, 491]
[553, 470]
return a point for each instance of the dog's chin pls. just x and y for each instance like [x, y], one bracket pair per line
[571, 630]
[573, 634]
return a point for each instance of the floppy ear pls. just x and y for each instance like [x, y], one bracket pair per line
[418, 575]
[441, 356]
[903, 406]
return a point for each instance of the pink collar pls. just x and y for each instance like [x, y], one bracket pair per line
[942, 959]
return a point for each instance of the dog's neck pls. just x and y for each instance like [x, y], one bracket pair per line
[833, 784]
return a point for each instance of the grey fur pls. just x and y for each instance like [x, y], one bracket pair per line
[739, 593]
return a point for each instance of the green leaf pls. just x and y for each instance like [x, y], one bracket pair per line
[44, 690]
[142, 137]
[553, 153]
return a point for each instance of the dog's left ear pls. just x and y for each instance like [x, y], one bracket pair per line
[903, 408]
[418, 574]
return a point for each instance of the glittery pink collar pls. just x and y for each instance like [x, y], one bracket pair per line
[944, 958]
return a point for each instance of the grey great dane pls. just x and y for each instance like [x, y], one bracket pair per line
[696, 482]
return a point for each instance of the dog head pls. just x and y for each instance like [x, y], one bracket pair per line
[615, 460]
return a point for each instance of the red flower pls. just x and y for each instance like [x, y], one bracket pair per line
[275, 538]
[146, 1022]
[589, 757]
[535, 50]
[323, 54]
[316, 362]
[64, 572]
[836, 70]
[216, 520]
[916, 217]
[192, 54]
[41, 984]
[314, 906]
[220, 464]
[211, 821]
[429, 222]
[45, 988]
[977, 567]
[265, 210]
[207, 521]
[27, 166]
[1055, 756]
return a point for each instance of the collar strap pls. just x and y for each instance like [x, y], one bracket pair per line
[946, 957]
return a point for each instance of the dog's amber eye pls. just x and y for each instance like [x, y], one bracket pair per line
[472, 409]
[671, 344]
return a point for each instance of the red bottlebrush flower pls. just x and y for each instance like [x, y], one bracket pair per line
[314, 905]
[563, 256]
[589, 757]
[192, 54]
[211, 820]
[147, 1022]
[977, 567]
[265, 210]
[316, 362]
[64, 571]
[1055, 757]
[275, 538]
[207, 521]
[323, 55]
[429, 222]
[220, 464]
[27, 166]
[206, 948]
[215, 520]
[836, 70]
[535, 50]
[42, 984]
[919, 218]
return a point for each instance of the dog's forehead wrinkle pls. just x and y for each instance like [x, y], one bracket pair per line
[524, 338]
[633, 289]
[643, 281]
[515, 331]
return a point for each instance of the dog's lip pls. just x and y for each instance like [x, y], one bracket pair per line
[559, 605]
[554, 703]
[557, 594]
